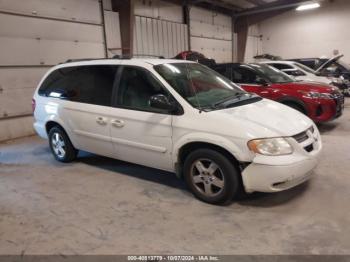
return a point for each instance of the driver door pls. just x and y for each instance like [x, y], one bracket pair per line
[140, 133]
[250, 81]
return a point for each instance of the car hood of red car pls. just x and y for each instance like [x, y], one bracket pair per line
[306, 86]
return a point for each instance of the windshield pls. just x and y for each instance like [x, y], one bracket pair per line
[305, 68]
[202, 87]
[272, 74]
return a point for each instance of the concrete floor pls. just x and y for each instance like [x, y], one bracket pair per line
[103, 206]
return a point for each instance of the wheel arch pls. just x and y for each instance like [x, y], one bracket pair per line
[52, 122]
[186, 148]
[292, 100]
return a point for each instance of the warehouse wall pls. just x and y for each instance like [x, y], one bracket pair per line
[35, 35]
[159, 29]
[211, 34]
[311, 33]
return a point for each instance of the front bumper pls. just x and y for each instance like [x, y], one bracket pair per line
[269, 178]
[323, 110]
[277, 173]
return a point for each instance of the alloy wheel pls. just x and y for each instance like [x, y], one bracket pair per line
[207, 177]
[58, 145]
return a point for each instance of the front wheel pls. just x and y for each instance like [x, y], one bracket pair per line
[60, 145]
[211, 176]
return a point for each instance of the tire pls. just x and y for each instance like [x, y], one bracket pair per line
[296, 107]
[61, 146]
[214, 187]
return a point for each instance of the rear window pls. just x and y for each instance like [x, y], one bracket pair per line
[84, 84]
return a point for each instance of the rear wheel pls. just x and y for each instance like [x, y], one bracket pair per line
[211, 176]
[60, 145]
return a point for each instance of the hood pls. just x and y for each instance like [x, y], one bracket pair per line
[324, 65]
[265, 118]
[307, 86]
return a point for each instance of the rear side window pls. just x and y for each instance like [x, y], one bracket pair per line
[84, 84]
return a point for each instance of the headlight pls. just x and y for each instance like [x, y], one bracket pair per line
[316, 95]
[336, 80]
[270, 146]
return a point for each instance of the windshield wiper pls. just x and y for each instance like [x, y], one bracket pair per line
[242, 99]
[223, 101]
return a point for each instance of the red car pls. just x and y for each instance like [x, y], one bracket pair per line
[318, 101]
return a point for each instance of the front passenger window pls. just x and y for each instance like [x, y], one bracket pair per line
[136, 88]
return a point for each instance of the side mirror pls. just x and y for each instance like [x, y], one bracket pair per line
[262, 81]
[160, 101]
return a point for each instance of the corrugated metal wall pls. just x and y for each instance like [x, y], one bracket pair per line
[159, 37]
[34, 35]
[159, 29]
[211, 34]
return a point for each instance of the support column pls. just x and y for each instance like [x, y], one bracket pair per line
[187, 21]
[125, 8]
[241, 28]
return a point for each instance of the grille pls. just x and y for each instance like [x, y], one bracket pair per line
[303, 136]
[339, 101]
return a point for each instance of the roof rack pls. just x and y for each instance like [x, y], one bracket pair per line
[113, 57]
[82, 59]
[135, 56]
[121, 57]
[156, 56]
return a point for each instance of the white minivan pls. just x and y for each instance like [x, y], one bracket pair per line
[178, 116]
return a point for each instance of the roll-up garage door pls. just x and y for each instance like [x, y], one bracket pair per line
[34, 36]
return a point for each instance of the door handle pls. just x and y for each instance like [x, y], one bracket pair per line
[117, 123]
[101, 120]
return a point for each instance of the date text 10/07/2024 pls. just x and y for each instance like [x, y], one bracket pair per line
[173, 258]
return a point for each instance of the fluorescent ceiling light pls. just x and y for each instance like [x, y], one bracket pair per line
[307, 6]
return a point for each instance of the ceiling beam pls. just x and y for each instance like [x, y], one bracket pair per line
[257, 2]
[219, 3]
[277, 5]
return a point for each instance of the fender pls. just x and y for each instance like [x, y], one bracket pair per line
[294, 100]
[231, 146]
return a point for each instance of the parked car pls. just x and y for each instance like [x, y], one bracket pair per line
[178, 116]
[298, 71]
[334, 68]
[196, 57]
[320, 102]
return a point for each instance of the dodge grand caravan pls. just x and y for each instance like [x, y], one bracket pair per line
[178, 116]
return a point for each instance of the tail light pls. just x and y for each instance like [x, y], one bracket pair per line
[33, 104]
